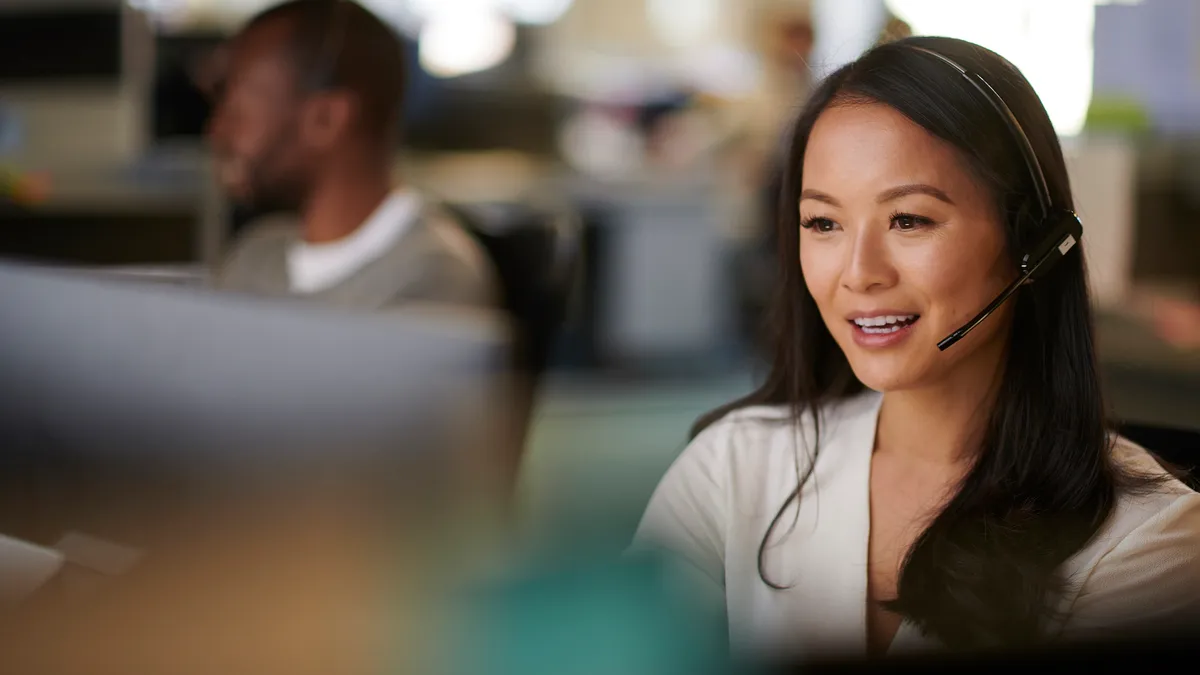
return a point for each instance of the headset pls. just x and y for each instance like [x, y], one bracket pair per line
[324, 75]
[1061, 228]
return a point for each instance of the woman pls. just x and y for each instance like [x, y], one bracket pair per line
[877, 493]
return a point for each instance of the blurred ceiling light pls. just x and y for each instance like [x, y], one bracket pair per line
[538, 12]
[535, 12]
[425, 8]
[1051, 42]
[455, 43]
[161, 11]
[240, 8]
[153, 6]
[684, 23]
[388, 10]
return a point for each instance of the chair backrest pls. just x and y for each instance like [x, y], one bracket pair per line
[1178, 447]
[537, 255]
[536, 251]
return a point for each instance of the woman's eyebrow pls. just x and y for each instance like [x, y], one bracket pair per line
[913, 189]
[819, 196]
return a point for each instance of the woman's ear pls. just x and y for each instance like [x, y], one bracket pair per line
[327, 120]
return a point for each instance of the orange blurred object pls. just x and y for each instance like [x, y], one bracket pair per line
[24, 188]
[1177, 321]
[31, 188]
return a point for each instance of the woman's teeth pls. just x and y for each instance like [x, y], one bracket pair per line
[881, 325]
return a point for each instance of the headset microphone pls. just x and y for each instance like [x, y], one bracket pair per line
[1033, 265]
[1062, 229]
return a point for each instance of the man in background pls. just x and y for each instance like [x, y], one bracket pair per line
[306, 125]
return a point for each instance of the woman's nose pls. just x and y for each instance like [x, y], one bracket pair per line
[868, 266]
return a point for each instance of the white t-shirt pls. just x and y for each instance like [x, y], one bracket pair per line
[717, 500]
[316, 267]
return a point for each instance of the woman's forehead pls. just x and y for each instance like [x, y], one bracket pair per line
[872, 146]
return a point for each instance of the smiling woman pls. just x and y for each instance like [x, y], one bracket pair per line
[883, 238]
[882, 492]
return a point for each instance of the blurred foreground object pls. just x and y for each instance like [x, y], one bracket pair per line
[121, 399]
[1124, 653]
[291, 487]
[625, 617]
[23, 568]
[306, 580]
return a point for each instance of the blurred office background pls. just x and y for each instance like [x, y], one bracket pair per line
[656, 121]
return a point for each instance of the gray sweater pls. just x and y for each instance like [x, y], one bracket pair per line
[435, 261]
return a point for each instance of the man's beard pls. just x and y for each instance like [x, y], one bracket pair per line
[277, 194]
[277, 182]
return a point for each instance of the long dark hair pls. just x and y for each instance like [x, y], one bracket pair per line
[985, 571]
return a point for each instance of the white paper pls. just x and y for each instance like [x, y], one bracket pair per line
[24, 567]
[96, 554]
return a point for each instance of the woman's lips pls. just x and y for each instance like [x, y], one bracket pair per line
[883, 330]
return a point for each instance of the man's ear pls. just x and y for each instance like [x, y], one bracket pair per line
[327, 119]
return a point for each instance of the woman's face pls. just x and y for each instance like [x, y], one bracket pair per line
[900, 246]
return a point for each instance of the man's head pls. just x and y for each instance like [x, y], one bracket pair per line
[310, 84]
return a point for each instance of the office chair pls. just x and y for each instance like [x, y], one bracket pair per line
[1178, 447]
[537, 252]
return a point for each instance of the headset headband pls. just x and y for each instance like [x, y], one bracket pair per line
[1041, 190]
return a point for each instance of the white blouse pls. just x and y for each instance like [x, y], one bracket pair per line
[717, 500]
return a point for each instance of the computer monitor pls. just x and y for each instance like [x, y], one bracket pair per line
[116, 393]
[72, 74]
[71, 42]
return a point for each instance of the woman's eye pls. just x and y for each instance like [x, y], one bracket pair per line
[823, 225]
[906, 222]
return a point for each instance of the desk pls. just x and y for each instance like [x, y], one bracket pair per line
[164, 209]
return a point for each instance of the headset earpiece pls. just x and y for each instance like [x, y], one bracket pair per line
[1060, 232]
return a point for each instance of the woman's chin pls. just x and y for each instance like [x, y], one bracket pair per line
[888, 373]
